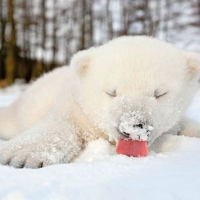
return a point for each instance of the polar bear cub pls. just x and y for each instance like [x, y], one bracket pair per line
[136, 87]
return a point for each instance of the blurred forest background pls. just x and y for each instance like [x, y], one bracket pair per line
[39, 35]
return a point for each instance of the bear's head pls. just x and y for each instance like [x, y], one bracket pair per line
[136, 87]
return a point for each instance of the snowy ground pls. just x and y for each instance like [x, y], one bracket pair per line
[170, 172]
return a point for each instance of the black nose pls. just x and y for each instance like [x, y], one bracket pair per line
[138, 126]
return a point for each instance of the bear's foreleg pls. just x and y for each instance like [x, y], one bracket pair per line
[9, 125]
[53, 140]
[189, 127]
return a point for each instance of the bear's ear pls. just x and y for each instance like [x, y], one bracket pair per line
[81, 61]
[193, 63]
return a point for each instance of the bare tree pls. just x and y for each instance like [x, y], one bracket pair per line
[124, 18]
[11, 59]
[156, 23]
[167, 18]
[27, 40]
[109, 20]
[90, 31]
[199, 7]
[82, 26]
[44, 32]
[54, 37]
[2, 43]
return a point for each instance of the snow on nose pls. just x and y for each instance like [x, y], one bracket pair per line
[135, 126]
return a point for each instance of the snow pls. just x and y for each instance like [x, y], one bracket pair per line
[129, 126]
[170, 172]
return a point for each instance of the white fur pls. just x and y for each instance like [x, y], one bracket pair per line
[65, 108]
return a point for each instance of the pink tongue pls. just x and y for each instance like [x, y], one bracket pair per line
[132, 148]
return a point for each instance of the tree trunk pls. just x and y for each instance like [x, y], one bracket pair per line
[27, 41]
[44, 34]
[199, 8]
[54, 38]
[109, 20]
[2, 44]
[91, 31]
[167, 18]
[12, 49]
[158, 20]
[82, 36]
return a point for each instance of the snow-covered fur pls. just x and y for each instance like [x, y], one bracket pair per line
[136, 87]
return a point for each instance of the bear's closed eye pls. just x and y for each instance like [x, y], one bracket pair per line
[158, 94]
[112, 93]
